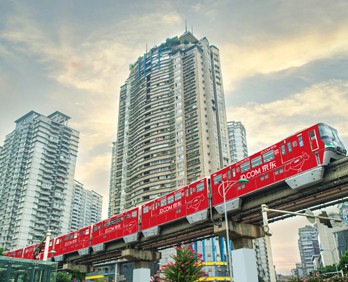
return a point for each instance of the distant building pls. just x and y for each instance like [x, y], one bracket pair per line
[37, 165]
[86, 207]
[237, 141]
[308, 245]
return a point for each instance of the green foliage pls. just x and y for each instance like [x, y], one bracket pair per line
[1, 251]
[63, 277]
[187, 267]
[78, 275]
[344, 262]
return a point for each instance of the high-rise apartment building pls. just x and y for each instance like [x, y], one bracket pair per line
[237, 141]
[172, 122]
[86, 207]
[308, 245]
[37, 166]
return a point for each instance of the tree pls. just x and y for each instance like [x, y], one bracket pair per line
[1, 251]
[187, 267]
[63, 277]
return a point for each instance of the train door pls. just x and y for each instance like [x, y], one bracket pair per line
[313, 140]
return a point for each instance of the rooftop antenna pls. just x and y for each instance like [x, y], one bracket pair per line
[185, 26]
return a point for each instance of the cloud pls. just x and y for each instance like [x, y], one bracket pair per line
[268, 123]
[281, 53]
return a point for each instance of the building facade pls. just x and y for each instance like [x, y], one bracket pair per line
[86, 207]
[172, 122]
[308, 245]
[37, 167]
[237, 141]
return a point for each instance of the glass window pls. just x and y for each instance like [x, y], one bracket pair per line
[134, 214]
[200, 187]
[289, 147]
[300, 141]
[170, 199]
[256, 161]
[245, 166]
[268, 156]
[283, 149]
[217, 179]
[163, 202]
[177, 196]
[145, 209]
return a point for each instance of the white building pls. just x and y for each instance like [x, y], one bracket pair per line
[237, 141]
[172, 122]
[86, 207]
[37, 166]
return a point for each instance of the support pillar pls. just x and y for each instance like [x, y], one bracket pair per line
[243, 255]
[142, 260]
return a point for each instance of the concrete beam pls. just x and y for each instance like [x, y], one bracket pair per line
[139, 255]
[241, 234]
[81, 267]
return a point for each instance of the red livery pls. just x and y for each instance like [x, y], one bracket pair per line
[298, 160]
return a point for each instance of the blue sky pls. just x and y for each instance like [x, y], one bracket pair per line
[284, 67]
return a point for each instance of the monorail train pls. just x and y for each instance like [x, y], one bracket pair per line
[299, 160]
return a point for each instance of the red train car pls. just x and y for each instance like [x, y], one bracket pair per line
[299, 160]
[18, 253]
[28, 252]
[190, 201]
[124, 225]
[76, 241]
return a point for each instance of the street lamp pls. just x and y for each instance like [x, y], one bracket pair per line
[231, 183]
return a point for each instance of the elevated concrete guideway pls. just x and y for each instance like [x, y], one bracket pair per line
[244, 224]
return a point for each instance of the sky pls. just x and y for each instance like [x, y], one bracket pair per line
[284, 67]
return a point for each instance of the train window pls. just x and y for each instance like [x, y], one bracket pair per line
[108, 223]
[170, 199]
[276, 172]
[134, 214]
[281, 170]
[191, 191]
[283, 149]
[87, 231]
[200, 187]
[113, 222]
[177, 196]
[217, 179]
[256, 161]
[75, 235]
[146, 209]
[233, 172]
[58, 241]
[229, 174]
[289, 147]
[118, 220]
[300, 141]
[245, 166]
[294, 143]
[268, 156]
[163, 202]
[95, 228]
[186, 192]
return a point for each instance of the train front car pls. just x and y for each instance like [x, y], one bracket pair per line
[190, 201]
[76, 241]
[122, 226]
[334, 147]
[319, 145]
[299, 160]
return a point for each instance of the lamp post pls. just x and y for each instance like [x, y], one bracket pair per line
[242, 180]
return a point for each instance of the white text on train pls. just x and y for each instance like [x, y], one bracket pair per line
[262, 169]
[170, 207]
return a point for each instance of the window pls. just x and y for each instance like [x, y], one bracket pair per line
[268, 156]
[283, 149]
[289, 147]
[146, 209]
[217, 179]
[256, 161]
[177, 196]
[170, 199]
[200, 187]
[300, 141]
[163, 202]
[134, 214]
[95, 228]
[245, 166]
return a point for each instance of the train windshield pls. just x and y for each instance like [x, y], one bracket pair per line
[330, 137]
